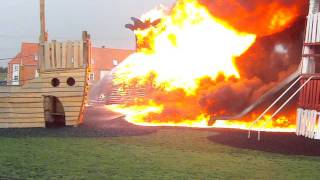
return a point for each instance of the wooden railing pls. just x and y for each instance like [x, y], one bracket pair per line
[56, 55]
[310, 94]
[63, 55]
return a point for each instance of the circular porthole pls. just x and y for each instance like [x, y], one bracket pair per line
[55, 82]
[71, 81]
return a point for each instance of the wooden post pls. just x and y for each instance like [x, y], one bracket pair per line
[86, 49]
[76, 54]
[43, 33]
[43, 37]
[70, 57]
[58, 55]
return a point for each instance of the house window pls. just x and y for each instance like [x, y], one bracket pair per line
[16, 68]
[36, 57]
[91, 77]
[15, 74]
[16, 78]
[115, 62]
[92, 61]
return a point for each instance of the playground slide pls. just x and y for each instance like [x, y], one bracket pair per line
[264, 97]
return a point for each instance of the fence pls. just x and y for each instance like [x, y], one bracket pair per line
[313, 29]
[63, 55]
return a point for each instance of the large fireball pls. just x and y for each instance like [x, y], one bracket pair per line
[189, 59]
[186, 46]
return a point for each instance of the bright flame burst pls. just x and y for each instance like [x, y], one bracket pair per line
[180, 49]
[187, 45]
[137, 115]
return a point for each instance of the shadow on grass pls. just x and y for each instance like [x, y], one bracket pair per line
[282, 143]
[94, 129]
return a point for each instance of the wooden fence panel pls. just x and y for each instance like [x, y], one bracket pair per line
[307, 93]
[52, 55]
[310, 95]
[318, 96]
[64, 55]
[69, 55]
[313, 94]
[314, 27]
[58, 55]
[81, 54]
[47, 55]
[308, 29]
[76, 54]
[318, 30]
[303, 93]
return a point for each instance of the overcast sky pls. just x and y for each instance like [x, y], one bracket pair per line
[66, 19]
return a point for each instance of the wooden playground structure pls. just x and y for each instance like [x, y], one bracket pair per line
[58, 96]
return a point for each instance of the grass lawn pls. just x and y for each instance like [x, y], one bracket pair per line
[166, 154]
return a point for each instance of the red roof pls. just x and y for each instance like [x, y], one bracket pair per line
[103, 57]
[27, 54]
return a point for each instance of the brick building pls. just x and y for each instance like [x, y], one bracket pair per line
[104, 60]
[24, 66]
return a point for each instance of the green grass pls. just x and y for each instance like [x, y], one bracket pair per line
[166, 154]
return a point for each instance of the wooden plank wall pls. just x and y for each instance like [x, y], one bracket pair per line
[60, 55]
[23, 106]
[310, 95]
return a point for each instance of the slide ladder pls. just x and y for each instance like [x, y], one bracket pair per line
[271, 106]
[263, 98]
[280, 108]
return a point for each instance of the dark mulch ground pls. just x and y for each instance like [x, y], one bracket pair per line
[111, 128]
[283, 143]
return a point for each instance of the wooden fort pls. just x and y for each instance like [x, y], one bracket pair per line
[58, 96]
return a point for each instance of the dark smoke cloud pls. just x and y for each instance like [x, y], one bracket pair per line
[275, 55]
[263, 66]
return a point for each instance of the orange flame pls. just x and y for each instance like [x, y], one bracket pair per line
[176, 55]
[138, 115]
[180, 49]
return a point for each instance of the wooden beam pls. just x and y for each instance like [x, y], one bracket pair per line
[75, 54]
[70, 55]
[53, 54]
[58, 55]
[43, 34]
[81, 54]
[47, 56]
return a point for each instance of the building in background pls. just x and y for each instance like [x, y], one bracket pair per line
[24, 66]
[104, 60]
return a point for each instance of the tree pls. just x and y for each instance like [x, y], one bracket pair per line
[3, 70]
